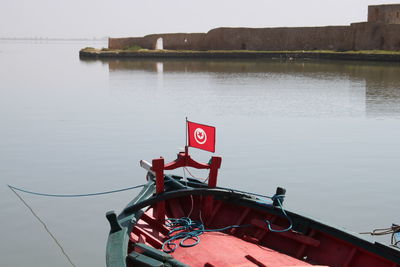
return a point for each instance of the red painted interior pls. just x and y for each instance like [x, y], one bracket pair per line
[248, 246]
[251, 246]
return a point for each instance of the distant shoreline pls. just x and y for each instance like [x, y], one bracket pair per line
[50, 39]
[376, 55]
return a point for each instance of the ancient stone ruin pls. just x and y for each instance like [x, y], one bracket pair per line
[380, 32]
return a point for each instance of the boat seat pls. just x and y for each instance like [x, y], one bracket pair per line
[150, 229]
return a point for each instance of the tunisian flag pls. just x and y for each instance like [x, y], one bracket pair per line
[201, 136]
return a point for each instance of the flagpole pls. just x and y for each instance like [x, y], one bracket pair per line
[186, 146]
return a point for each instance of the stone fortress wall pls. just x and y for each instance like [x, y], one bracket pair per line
[388, 14]
[380, 32]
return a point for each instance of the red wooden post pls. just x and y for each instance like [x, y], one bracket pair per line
[214, 166]
[158, 168]
[184, 160]
[212, 183]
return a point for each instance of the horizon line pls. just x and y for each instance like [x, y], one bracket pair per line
[55, 38]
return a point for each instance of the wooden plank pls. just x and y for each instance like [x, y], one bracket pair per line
[153, 241]
[154, 223]
[303, 247]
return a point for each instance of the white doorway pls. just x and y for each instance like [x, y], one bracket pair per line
[159, 44]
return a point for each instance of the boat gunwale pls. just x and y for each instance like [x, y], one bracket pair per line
[120, 247]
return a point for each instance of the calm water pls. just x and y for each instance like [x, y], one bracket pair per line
[326, 131]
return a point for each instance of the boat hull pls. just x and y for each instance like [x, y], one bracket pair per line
[267, 236]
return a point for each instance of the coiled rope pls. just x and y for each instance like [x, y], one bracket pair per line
[185, 229]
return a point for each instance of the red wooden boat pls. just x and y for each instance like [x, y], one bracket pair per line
[185, 222]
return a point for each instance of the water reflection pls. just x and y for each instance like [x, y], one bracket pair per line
[383, 90]
[329, 87]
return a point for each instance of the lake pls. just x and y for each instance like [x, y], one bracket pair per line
[327, 131]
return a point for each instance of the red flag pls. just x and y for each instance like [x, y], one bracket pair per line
[201, 136]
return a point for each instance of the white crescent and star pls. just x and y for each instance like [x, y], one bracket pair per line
[200, 136]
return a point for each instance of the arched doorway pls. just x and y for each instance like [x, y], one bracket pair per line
[159, 44]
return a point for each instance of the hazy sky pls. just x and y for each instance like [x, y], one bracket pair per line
[118, 18]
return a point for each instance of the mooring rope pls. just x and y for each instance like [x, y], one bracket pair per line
[247, 193]
[14, 189]
[44, 226]
[394, 229]
[74, 195]
[383, 231]
[280, 198]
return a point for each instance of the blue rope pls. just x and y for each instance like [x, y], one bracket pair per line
[186, 229]
[280, 198]
[74, 195]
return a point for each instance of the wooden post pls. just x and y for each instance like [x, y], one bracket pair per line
[214, 166]
[158, 168]
[212, 183]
